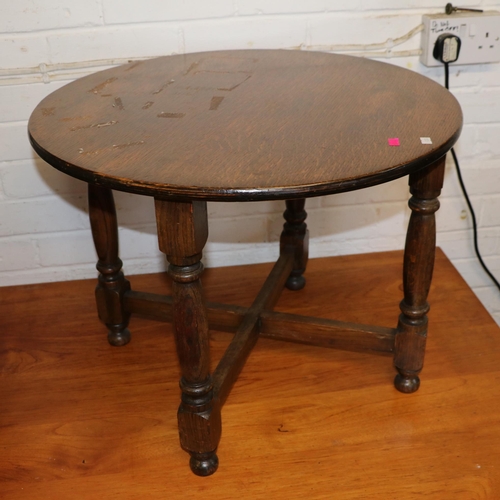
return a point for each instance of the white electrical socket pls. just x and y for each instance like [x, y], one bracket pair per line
[479, 33]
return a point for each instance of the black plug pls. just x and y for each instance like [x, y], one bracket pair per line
[447, 48]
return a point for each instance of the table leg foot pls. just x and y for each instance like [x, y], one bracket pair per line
[407, 383]
[118, 335]
[295, 238]
[204, 464]
[295, 282]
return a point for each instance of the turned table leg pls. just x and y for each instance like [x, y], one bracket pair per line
[182, 234]
[409, 349]
[296, 236]
[112, 284]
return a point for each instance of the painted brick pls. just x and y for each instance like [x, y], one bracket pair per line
[463, 76]
[14, 144]
[353, 222]
[408, 62]
[468, 142]
[452, 215]
[117, 11]
[144, 266]
[18, 101]
[489, 212]
[47, 274]
[218, 210]
[480, 106]
[480, 177]
[17, 253]
[133, 210]
[450, 185]
[339, 245]
[473, 75]
[378, 5]
[225, 254]
[393, 191]
[488, 143]
[71, 248]
[246, 230]
[435, 73]
[113, 42]
[420, 4]
[23, 51]
[331, 29]
[45, 215]
[257, 7]
[470, 77]
[139, 243]
[66, 249]
[459, 244]
[49, 14]
[42, 179]
[243, 32]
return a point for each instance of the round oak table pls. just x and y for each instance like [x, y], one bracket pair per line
[239, 126]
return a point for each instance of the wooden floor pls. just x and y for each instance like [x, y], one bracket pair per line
[80, 419]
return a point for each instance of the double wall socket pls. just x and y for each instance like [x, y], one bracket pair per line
[479, 33]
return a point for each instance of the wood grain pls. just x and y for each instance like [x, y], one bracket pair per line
[275, 325]
[420, 248]
[182, 234]
[112, 284]
[245, 125]
[247, 334]
[80, 418]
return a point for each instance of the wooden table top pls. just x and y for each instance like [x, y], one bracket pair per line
[245, 125]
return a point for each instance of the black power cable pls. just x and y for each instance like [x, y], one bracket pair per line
[466, 196]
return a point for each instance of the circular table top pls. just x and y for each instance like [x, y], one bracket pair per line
[245, 125]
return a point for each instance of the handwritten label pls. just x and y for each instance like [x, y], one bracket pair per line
[442, 26]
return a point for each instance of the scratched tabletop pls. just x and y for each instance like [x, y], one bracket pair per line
[245, 125]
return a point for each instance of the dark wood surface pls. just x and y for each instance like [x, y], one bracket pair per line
[82, 419]
[409, 348]
[182, 234]
[275, 325]
[112, 284]
[256, 124]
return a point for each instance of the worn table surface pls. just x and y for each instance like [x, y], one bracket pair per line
[243, 125]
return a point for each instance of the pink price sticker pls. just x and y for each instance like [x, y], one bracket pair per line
[394, 141]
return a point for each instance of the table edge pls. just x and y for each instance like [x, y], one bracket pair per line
[165, 191]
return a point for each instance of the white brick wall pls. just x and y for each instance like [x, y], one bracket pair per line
[44, 231]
